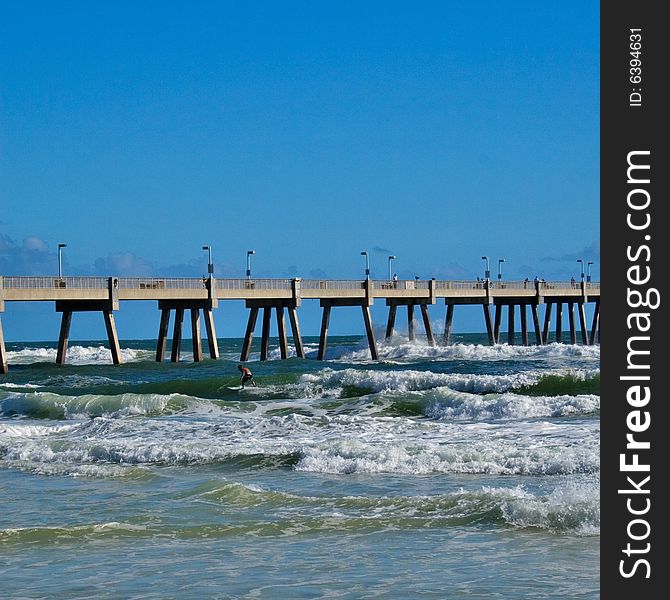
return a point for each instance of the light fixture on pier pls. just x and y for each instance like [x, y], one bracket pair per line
[60, 261]
[249, 253]
[581, 260]
[210, 264]
[391, 257]
[588, 270]
[367, 264]
[500, 262]
[487, 272]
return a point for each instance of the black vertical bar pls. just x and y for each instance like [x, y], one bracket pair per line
[634, 191]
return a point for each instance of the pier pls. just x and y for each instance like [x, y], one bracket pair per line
[193, 295]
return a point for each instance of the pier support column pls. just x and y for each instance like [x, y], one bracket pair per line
[582, 323]
[410, 322]
[489, 325]
[571, 319]
[112, 337]
[180, 307]
[559, 321]
[447, 323]
[390, 324]
[195, 335]
[595, 324]
[211, 333]
[510, 324]
[536, 324]
[323, 337]
[524, 324]
[176, 334]
[295, 329]
[4, 367]
[265, 332]
[369, 331]
[249, 334]
[281, 332]
[267, 305]
[161, 344]
[327, 304]
[496, 323]
[426, 324]
[547, 322]
[63, 336]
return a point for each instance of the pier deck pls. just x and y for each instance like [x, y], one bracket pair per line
[104, 294]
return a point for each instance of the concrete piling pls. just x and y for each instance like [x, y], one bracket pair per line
[547, 322]
[448, 321]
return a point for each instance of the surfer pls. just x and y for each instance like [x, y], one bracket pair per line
[246, 376]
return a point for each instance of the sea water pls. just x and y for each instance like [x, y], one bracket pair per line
[459, 471]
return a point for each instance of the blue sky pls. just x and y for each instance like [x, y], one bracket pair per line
[436, 131]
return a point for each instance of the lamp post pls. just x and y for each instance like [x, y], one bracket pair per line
[500, 262]
[588, 270]
[487, 272]
[210, 264]
[249, 253]
[60, 261]
[581, 260]
[367, 264]
[391, 257]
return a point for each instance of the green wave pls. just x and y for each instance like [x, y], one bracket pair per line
[277, 514]
[212, 388]
[557, 385]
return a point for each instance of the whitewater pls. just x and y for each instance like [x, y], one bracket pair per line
[459, 471]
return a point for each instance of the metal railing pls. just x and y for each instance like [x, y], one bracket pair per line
[403, 284]
[54, 282]
[332, 284]
[253, 284]
[459, 285]
[141, 283]
[162, 283]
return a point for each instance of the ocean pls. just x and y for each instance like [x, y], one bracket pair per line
[452, 472]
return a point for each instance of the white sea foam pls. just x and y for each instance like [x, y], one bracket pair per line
[413, 380]
[78, 355]
[57, 406]
[574, 506]
[497, 456]
[325, 443]
[445, 404]
[399, 349]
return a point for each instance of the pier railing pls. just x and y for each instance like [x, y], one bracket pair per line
[51, 282]
[199, 283]
[258, 284]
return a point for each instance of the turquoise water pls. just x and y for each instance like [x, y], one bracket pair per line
[461, 471]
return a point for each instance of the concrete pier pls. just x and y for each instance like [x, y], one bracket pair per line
[595, 325]
[410, 303]
[279, 306]
[327, 305]
[524, 324]
[488, 323]
[510, 324]
[547, 322]
[4, 367]
[104, 294]
[496, 323]
[448, 322]
[536, 325]
[68, 307]
[571, 320]
[180, 307]
[559, 321]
